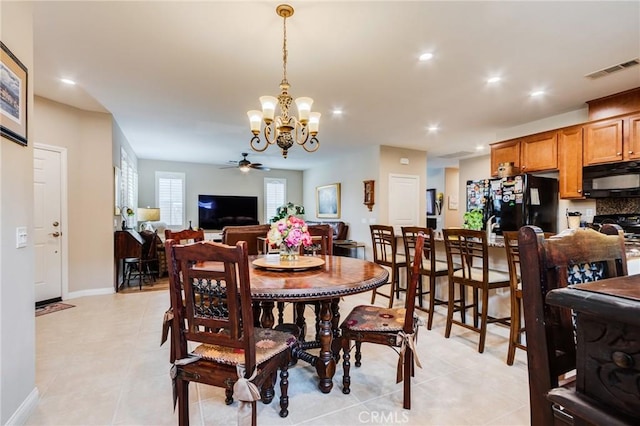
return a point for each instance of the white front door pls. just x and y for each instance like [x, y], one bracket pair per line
[48, 229]
[404, 201]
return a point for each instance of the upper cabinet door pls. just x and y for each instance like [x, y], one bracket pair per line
[603, 142]
[632, 141]
[539, 152]
[570, 162]
[505, 152]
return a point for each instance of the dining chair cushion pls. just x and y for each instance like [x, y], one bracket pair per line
[375, 318]
[268, 344]
[476, 275]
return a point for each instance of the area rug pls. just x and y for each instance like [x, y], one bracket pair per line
[52, 307]
[161, 284]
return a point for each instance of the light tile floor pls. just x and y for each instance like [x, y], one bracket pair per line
[101, 363]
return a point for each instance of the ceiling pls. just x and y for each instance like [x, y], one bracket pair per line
[179, 76]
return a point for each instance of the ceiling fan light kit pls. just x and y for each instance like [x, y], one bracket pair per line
[284, 130]
[245, 165]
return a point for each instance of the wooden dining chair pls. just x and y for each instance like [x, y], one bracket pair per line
[430, 267]
[212, 309]
[468, 248]
[572, 257]
[394, 327]
[385, 253]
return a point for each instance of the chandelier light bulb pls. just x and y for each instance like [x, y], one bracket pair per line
[284, 130]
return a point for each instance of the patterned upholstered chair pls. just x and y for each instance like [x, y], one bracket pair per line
[212, 309]
[574, 256]
[394, 327]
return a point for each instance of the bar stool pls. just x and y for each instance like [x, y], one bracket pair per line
[430, 267]
[469, 249]
[384, 245]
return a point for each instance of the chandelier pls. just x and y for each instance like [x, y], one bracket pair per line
[284, 130]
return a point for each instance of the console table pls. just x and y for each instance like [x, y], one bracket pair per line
[608, 341]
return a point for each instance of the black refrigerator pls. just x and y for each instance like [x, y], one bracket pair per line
[516, 201]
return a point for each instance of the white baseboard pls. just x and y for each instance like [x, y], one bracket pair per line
[92, 292]
[23, 412]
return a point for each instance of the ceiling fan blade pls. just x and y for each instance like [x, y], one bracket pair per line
[255, 165]
[266, 169]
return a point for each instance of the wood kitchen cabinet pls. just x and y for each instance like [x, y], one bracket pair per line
[505, 152]
[603, 142]
[539, 152]
[570, 162]
[632, 137]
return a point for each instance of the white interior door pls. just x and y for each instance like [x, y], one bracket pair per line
[404, 201]
[48, 234]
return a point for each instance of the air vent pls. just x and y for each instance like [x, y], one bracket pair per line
[614, 68]
[457, 154]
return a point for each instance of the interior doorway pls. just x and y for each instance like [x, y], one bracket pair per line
[50, 232]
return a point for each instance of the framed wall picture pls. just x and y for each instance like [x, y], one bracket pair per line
[369, 194]
[13, 97]
[328, 201]
[431, 202]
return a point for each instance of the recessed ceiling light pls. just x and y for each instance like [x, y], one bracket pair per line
[479, 147]
[337, 111]
[536, 93]
[426, 56]
[67, 81]
[494, 79]
[433, 128]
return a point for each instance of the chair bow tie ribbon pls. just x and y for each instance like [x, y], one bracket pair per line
[247, 394]
[173, 372]
[406, 339]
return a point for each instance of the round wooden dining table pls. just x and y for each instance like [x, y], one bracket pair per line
[338, 276]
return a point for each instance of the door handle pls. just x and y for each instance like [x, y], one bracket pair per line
[56, 234]
[55, 223]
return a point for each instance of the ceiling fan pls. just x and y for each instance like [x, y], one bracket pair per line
[245, 165]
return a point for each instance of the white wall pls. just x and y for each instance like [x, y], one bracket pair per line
[212, 180]
[350, 171]
[372, 162]
[88, 139]
[18, 393]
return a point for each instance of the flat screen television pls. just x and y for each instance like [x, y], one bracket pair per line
[218, 211]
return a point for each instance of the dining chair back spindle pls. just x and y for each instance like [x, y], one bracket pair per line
[574, 256]
[212, 311]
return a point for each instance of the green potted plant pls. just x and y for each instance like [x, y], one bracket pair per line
[287, 210]
[473, 219]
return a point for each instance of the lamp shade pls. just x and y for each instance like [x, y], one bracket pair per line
[148, 214]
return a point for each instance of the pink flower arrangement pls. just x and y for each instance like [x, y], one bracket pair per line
[291, 231]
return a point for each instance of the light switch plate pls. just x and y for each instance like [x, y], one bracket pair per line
[21, 237]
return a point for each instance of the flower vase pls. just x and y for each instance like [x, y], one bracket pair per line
[289, 254]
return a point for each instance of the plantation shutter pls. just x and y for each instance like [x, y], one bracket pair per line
[170, 196]
[275, 193]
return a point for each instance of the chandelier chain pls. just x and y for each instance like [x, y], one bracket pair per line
[284, 51]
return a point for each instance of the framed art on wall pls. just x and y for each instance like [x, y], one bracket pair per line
[13, 97]
[431, 202]
[369, 194]
[328, 201]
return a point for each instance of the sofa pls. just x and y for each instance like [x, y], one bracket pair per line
[340, 229]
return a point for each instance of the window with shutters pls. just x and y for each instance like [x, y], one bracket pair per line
[170, 197]
[128, 181]
[275, 193]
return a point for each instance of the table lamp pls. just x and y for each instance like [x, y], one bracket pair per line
[146, 215]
